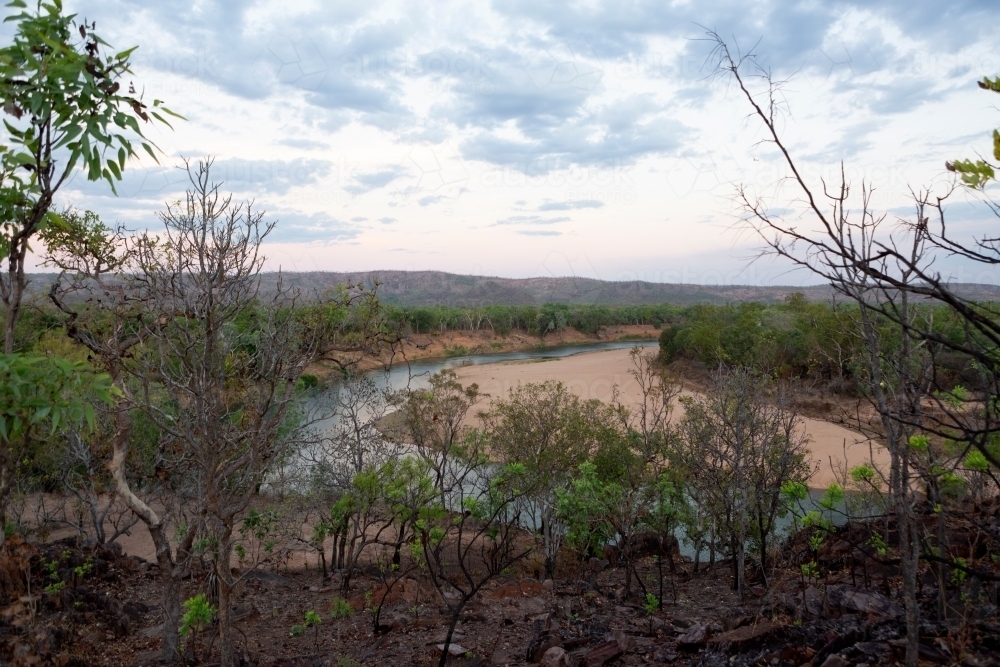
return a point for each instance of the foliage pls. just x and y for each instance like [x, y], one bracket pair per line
[550, 431]
[977, 174]
[65, 106]
[47, 390]
[340, 608]
[535, 320]
[198, 614]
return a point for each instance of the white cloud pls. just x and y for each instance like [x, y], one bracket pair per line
[438, 120]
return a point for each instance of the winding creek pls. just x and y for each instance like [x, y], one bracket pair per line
[591, 371]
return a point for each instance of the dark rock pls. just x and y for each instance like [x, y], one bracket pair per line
[271, 578]
[627, 643]
[735, 621]
[789, 655]
[814, 601]
[134, 610]
[602, 654]
[851, 600]
[742, 639]
[556, 657]
[790, 604]
[664, 654]
[927, 652]
[834, 660]
[541, 644]
[695, 636]
[874, 651]
[595, 629]
[122, 625]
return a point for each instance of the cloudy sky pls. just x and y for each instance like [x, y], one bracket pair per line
[525, 137]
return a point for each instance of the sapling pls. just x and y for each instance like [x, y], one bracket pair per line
[198, 613]
[312, 620]
[340, 608]
[651, 604]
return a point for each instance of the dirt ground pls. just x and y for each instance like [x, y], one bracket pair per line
[849, 614]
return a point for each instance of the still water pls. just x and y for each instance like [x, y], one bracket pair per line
[417, 374]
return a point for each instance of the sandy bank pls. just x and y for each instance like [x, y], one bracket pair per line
[423, 347]
[594, 374]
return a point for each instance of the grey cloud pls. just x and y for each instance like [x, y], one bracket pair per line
[387, 221]
[307, 144]
[570, 205]
[569, 145]
[271, 176]
[430, 199]
[348, 64]
[375, 180]
[528, 220]
[253, 177]
[294, 226]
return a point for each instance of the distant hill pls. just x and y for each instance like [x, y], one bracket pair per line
[437, 288]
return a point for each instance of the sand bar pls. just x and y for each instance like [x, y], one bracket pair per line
[594, 374]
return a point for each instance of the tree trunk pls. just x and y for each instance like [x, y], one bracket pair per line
[14, 293]
[908, 553]
[451, 630]
[4, 488]
[169, 568]
[170, 593]
[942, 546]
[223, 575]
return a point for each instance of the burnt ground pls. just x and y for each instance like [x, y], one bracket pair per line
[106, 612]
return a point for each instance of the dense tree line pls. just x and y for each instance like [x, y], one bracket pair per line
[799, 339]
[534, 320]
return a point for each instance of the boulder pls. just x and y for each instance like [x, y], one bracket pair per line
[532, 606]
[851, 600]
[556, 657]
[695, 636]
[539, 645]
[454, 649]
[602, 654]
[746, 637]
[834, 660]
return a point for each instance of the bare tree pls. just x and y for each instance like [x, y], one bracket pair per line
[433, 421]
[104, 312]
[220, 372]
[81, 475]
[213, 363]
[469, 535]
[888, 269]
[351, 439]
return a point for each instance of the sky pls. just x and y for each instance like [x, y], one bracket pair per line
[531, 138]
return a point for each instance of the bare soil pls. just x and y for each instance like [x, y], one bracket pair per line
[849, 615]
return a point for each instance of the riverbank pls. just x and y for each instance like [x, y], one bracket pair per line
[451, 344]
[596, 374]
